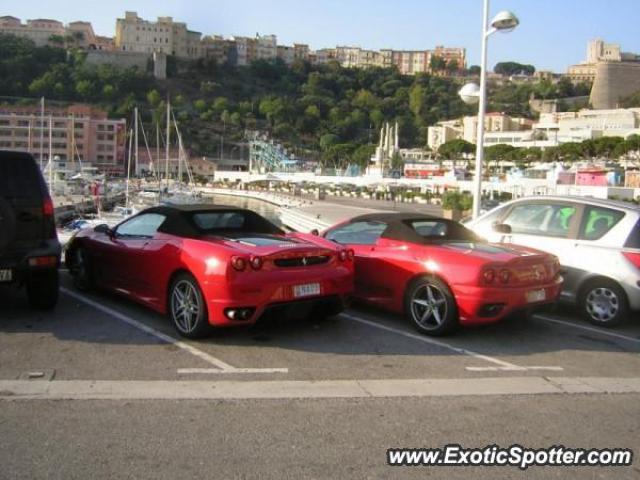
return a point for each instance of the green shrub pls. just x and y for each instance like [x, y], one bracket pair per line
[457, 201]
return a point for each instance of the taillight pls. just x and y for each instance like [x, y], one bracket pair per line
[256, 263]
[47, 207]
[633, 257]
[239, 263]
[345, 255]
[489, 275]
[504, 276]
[48, 261]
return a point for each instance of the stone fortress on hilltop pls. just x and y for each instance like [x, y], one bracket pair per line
[615, 74]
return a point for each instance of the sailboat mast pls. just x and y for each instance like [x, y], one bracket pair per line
[50, 156]
[166, 169]
[126, 190]
[41, 130]
[135, 112]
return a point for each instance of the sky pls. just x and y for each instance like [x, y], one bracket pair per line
[552, 34]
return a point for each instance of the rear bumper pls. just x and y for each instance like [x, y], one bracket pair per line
[478, 305]
[261, 292]
[18, 261]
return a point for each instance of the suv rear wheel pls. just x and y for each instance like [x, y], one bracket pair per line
[42, 289]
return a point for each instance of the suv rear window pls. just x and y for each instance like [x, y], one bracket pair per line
[19, 177]
[634, 237]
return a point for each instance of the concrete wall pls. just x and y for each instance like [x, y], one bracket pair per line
[120, 59]
[614, 81]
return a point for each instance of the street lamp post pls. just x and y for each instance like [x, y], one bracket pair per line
[503, 22]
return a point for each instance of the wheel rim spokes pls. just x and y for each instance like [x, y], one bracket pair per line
[429, 306]
[602, 304]
[185, 306]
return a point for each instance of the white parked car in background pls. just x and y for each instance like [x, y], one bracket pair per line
[597, 243]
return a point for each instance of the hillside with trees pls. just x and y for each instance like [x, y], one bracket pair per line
[328, 109]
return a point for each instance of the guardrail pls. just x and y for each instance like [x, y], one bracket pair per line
[300, 221]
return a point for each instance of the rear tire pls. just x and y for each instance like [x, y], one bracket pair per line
[431, 307]
[43, 289]
[603, 302]
[187, 307]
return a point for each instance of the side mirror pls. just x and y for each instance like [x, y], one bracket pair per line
[315, 232]
[502, 228]
[104, 228]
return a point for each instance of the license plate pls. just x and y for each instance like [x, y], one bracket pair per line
[6, 275]
[536, 296]
[306, 290]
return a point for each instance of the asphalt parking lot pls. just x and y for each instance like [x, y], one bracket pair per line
[103, 386]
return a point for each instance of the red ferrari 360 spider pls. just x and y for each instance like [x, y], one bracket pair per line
[440, 274]
[210, 265]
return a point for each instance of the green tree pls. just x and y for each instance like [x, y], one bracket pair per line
[437, 63]
[200, 105]
[452, 66]
[154, 98]
[513, 68]
[456, 148]
[86, 89]
[416, 99]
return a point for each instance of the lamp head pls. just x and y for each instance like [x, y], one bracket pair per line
[470, 93]
[505, 21]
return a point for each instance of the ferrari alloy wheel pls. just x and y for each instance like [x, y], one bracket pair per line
[603, 303]
[431, 307]
[187, 307]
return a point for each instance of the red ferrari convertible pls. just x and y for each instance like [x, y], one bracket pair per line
[210, 265]
[440, 274]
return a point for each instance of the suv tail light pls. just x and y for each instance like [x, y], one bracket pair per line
[47, 207]
[49, 223]
[633, 257]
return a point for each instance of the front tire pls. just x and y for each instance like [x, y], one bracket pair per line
[43, 289]
[431, 307]
[81, 270]
[187, 307]
[603, 302]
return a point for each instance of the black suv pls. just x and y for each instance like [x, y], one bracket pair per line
[29, 247]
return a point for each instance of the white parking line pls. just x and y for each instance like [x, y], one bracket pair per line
[502, 365]
[587, 328]
[221, 367]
